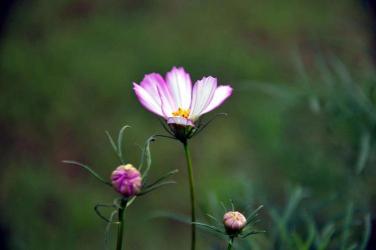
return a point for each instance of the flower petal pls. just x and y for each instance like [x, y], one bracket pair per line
[180, 86]
[168, 103]
[220, 95]
[150, 84]
[180, 120]
[148, 94]
[203, 92]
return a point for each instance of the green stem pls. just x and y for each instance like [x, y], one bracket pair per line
[121, 209]
[230, 243]
[192, 195]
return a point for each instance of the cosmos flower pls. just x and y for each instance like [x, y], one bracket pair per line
[234, 222]
[174, 98]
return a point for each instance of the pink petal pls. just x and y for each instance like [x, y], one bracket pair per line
[203, 92]
[147, 94]
[180, 86]
[150, 84]
[220, 95]
[180, 120]
[168, 103]
[156, 86]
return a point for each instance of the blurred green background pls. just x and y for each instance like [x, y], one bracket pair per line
[299, 137]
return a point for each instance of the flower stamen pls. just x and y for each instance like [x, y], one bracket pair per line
[182, 113]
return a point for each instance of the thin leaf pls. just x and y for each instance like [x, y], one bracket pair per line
[282, 220]
[120, 143]
[131, 200]
[212, 228]
[325, 73]
[326, 236]
[311, 231]
[170, 215]
[251, 233]
[367, 231]
[146, 156]
[253, 214]
[364, 150]
[347, 225]
[213, 218]
[112, 142]
[107, 231]
[92, 172]
[163, 178]
[166, 128]
[165, 136]
[232, 205]
[117, 202]
[224, 207]
[98, 212]
[156, 187]
[202, 127]
[293, 203]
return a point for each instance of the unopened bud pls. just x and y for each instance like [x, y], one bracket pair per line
[234, 222]
[127, 180]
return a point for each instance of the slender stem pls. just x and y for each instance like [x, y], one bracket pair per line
[121, 209]
[230, 243]
[192, 195]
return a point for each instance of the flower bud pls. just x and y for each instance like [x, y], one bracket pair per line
[127, 180]
[234, 222]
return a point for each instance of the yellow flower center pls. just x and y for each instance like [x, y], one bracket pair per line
[235, 216]
[181, 112]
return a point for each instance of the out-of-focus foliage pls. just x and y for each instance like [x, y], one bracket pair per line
[301, 120]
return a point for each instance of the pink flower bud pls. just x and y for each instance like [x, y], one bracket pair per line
[234, 222]
[127, 180]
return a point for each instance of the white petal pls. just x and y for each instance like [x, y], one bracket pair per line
[168, 103]
[220, 95]
[180, 86]
[203, 92]
[150, 85]
[150, 100]
[180, 120]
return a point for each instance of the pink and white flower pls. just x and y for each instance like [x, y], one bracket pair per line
[127, 180]
[234, 221]
[174, 98]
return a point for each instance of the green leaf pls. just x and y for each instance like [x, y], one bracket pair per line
[98, 212]
[367, 231]
[326, 236]
[120, 143]
[252, 232]
[152, 188]
[170, 215]
[214, 219]
[112, 142]
[253, 215]
[131, 200]
[107, 231]
[146, 156]
[92, 172]
[210, 227]
[283, 220]
[163, 178]
[347, 225]
[364, 150]
[293, 203]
